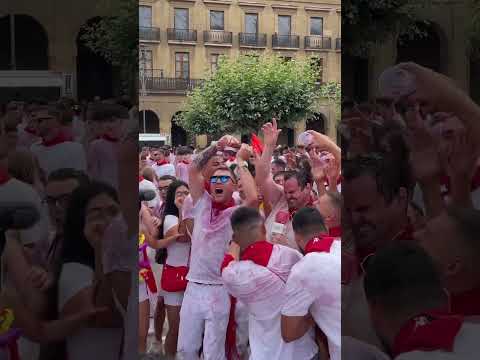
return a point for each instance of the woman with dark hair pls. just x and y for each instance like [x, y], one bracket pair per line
[176, 265]
[82, 283]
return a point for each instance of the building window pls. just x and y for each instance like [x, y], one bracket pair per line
[181, 20]
[217, 21]
[146, 62]
[317, 64]
[316, 26]
[214, 62]
[145, 16]
[251, 23]
[284, 24]
[182, 65]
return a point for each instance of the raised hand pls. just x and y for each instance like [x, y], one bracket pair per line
[271, 132]
[245, 152]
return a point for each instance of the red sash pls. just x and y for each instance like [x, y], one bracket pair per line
[258, 252]
[430, 331]
[60, 138]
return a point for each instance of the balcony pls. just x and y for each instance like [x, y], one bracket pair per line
[285, 41]
[338, 44]
[315, 42]
[154, 83]
[149, 34]
[217, 37]
[253, 40]
[183, 36]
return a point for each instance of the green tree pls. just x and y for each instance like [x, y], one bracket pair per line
[367, 23]
[115, 38]
[247, 91]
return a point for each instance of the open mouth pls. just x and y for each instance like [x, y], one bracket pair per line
[218, 191]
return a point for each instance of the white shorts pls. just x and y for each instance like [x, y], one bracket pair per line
[173, 298]
[143, 293]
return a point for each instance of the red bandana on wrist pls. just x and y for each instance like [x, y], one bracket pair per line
[466, 303]
[162, 162]
[258, 252]
[321, 243]
[430, 331]
[217, 208]
[60, 138]
[109, 138]
[4, 176]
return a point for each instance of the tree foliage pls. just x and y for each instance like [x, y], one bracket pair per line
[367, 23]
[247, 91]
[332, 92]
[115, 38]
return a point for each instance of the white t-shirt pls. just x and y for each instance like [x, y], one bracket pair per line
[262, 290]
[465, 347]
[103, 162]
[67, 154]
[177, 252]
[148, 185]
[166, 169]
[209, 242]
[315, 285]
[281, 205]
[88, 343]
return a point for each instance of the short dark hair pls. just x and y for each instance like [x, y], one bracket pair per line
[280, 173]
[167, 177]
[403, 277]
[245, 216]
[279, 162]
[65, 174]
[184, 150]
[303, 177]
[467, 221]
[389, 176]
[308, 221]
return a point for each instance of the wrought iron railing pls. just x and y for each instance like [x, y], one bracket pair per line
[285, 41]
[149, 33]
[217, 37]
[318, 42]
[182, 35]
[252, 39]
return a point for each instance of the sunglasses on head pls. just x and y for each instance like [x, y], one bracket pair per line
[223, 179]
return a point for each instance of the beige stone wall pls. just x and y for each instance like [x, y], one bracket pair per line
[165, 104]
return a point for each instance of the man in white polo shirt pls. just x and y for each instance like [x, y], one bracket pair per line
[56, 150]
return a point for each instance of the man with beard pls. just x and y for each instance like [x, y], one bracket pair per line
[409, 307]
[313, 286]
[375, 194]
[451, 239]
[206, 304]
[255, 272]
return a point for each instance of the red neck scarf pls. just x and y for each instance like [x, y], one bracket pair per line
[309, 204]
[30, 130]
[335, 231]
[140, 178]
[259, 252]
[60, 138]
[4, 176]
[109, 138]
[475, 184]
[321, 243]
[430, 331]
[217, 208]
[162, 162]
[466, 303]
[185, 162]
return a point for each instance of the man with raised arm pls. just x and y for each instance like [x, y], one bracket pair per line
[206, 304]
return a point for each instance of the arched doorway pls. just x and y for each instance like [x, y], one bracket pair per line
[94, 73]
[178, 134]
[316, 122]
[427, 49]
[29, 43]
[149, 123]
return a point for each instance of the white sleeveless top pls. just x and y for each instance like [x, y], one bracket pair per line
[88, 343]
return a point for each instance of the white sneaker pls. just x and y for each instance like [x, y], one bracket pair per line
[156, 347]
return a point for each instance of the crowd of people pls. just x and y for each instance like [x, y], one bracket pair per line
[69, 283]
[239, 249]
[410, 275]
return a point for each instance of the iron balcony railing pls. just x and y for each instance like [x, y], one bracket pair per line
[217, 37]
[184, 35]
[318, 42]
[252, 39]
[285, 41]
[156, 83]
[338, 43]
[149, 33]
